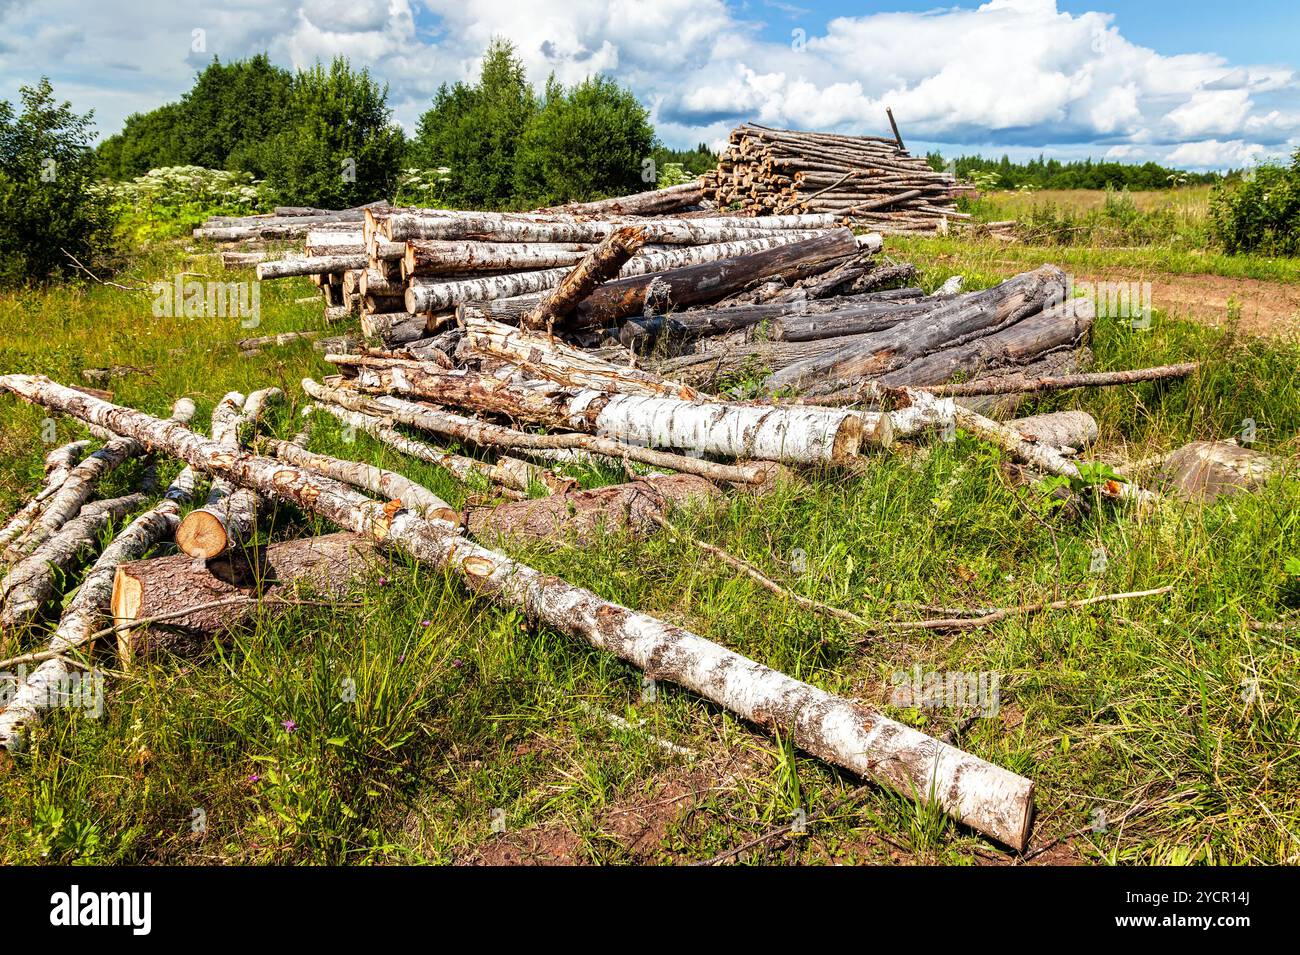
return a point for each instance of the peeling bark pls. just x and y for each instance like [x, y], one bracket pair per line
[841, 731]
[58, 465]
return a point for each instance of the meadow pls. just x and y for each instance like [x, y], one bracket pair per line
[1158, 730]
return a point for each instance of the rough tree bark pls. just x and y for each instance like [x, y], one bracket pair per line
[328, 564]
[58, 465]
[841, 731]
[599, 265]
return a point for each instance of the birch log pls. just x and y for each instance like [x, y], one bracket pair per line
[229, 517]
[800, 435]
[313, 265]
[841, 731]
[58, 465]
[46, 686]
[33, 582]
[496, 436]
[81, 483]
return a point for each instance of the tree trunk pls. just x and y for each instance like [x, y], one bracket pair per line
[328, 564]
[599, 265]
[315, 265]
[45, 686]
[841, 731]
[436, 257]
[653, 202]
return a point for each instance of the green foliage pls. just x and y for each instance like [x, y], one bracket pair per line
[223, 122]
[503, 148]
[590, 141]
[172, 200]
[48, 209]
[692, 162]
[474, 130]
[1260, 213]
[427, 188]
[1042, 173]
[338, 146]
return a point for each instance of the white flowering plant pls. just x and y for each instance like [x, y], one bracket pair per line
[428, 188]
[173, 199]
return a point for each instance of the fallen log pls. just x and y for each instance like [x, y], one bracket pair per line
[800, 435]
[841, 731]
[80, 486]
[229, 517]
[165, 586]
[496, 436]
[58, 465]
[1203, 470]
[1095, 379]
[599, 265]
[45, 686]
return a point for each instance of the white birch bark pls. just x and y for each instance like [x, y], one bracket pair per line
[430, 296]
[88, 611]
[314, 265]
[839, 730]
[58, 465]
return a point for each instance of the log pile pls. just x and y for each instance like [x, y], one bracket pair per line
[868, 179]
[406, 271]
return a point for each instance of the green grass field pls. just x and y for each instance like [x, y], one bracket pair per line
[1161, 730]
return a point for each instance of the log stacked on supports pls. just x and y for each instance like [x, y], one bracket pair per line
[868, 179]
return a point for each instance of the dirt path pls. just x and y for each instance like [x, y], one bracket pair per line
[1266, 308]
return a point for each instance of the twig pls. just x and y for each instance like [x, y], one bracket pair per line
[970, 623]
[752, 572]
[851, 796]
[77, 263]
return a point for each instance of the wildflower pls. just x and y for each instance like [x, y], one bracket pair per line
[289, 726]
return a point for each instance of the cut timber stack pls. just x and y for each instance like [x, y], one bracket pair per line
[865, 178]
[406, 271]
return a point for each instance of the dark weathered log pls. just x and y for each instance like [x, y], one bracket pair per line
[842, 731]
[960, 321]
[327, 566]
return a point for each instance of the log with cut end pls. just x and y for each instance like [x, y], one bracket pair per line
[326, 566]
[229, 517]
[86, 611]
[599, 265]
[844, 732]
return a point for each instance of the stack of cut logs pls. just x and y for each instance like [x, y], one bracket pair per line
[869, 179]
[252, 233]
[406, 271]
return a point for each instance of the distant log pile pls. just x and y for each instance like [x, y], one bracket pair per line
[868, 179]
[286, 222]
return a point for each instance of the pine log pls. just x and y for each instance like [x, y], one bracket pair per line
[841, 731]
[328, 565]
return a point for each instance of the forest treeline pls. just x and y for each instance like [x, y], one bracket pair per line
[1043, 173]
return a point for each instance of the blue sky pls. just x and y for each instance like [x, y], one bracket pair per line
[1197, 84]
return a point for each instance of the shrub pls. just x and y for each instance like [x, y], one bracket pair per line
[1260, 213]
[48, 206]
[174, 199]
[591, 141]
[339, 147]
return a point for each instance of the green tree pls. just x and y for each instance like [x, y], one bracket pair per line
[49, 206]
[147, 141]
[1261, 212]
[339, 146]
[474, 130]
[592, 141]
[231, 111]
